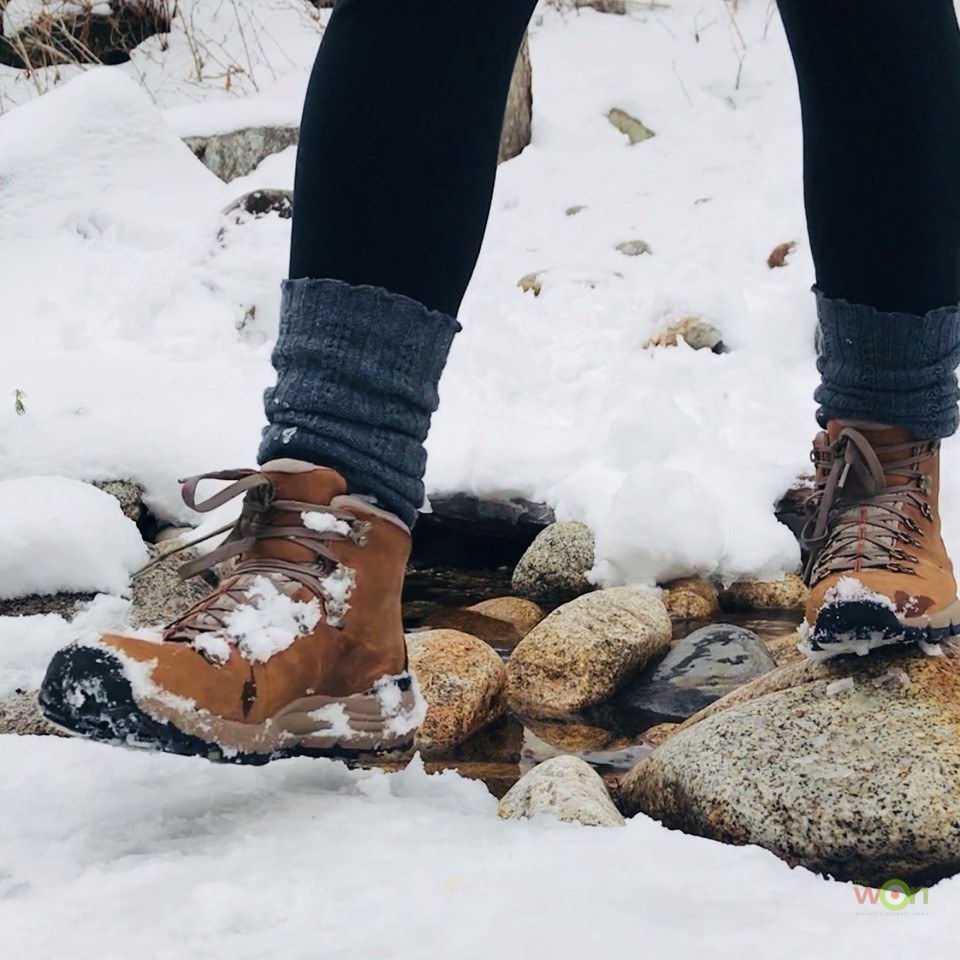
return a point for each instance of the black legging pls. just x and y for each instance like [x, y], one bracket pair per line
[402, 122]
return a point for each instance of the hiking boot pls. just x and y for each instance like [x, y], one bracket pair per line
[877, 568]
[299, 651]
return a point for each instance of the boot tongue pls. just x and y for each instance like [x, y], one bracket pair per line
[879, 436]
[295, 480]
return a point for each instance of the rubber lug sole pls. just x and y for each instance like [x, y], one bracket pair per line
[863, 625]
[86, 694]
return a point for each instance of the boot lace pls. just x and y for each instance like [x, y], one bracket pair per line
[865, 524]
[325, 577]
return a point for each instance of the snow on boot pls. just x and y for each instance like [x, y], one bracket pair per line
[299, 651]
[876, 564]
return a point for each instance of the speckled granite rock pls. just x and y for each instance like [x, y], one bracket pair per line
[502, 622]
[565, 787]
[20, 714]
[555, 565]
[128, 492]
[159, 595]
[463, 681]
[523, 614]
[786, 594]
[584, 651]
[783, 648]
[690, 600]
[702, 667]
[850, 768]
[656, 734]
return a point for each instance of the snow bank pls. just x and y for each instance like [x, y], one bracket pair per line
[63, 535]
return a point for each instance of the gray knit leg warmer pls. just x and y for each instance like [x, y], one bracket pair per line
[357, 374]
[892, 368]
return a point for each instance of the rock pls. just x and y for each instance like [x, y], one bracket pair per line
[497, 633]
[128, 492]
[575, 209]
[555, 565]
[634, 248]
[700, 668]
[259, 203]
[783, 648]
[848, 768]
[690, 600]
[530, 282]
[659, 732]
[463, 681]
[523, 614]
[584, 651]
[634, 129]
[519, 113]
[695, 331]
[235, 154]
[791, 508]
[565, 787]
[786, 594]
[159, 595]
[65, 605]
[20, 714]
[568, 736]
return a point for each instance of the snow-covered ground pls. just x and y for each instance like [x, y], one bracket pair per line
[139, 336]
[122, 304]
[106, 854]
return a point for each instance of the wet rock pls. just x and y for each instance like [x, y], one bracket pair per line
[848, 768]
[690, 600]
[634, 248]
[635, 130]
[659, 732]
[695, 331]
[523, 614]
[786, 594]
[519, 112]
[584, 651]
[260, 203]
[554, 567]
[159, 595]
[700, 668]
[20, 714]
[566, 788]
[464, 683]
[568, 736]
[235, 154]
[128, 492]
[498, 633]
[783, 648]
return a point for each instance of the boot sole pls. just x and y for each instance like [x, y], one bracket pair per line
[863, 625]
[87, 693]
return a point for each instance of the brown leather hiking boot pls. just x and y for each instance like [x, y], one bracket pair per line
[300, 649]
[877, 568]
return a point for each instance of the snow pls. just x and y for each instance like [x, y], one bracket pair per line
[122, 854]
[324, 522]
[844, 685]
[851, 590]
[269, 621]
[63, 535]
